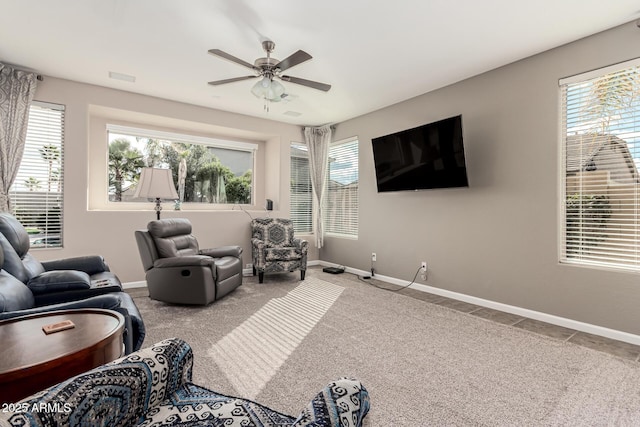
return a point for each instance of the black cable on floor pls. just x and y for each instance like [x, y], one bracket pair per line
[391, 290]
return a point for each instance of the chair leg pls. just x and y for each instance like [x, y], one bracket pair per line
[302, 273]
[260, 276]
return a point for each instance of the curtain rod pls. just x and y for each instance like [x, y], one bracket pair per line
[39, 77]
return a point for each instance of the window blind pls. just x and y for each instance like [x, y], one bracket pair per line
[600, 219]
[36, 194]
[301, 202]
[341, 197]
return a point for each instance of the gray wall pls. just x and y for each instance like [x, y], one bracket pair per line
[497, 239]
[90, 227]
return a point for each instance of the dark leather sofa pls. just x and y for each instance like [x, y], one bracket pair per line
[28, 286]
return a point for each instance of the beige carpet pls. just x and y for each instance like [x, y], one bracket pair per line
[281, 341]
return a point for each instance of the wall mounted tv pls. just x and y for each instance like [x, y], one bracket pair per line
[428, 156]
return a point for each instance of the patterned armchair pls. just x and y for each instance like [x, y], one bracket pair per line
[274, 247]
[152, 387]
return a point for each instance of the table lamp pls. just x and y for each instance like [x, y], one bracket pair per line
[156, 183]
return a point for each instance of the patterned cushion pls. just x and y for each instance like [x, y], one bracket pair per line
[281, 254]
[152, 387]
[281, 266]
[342, 403]
[192, 405]
[275, 232]
[116, 394]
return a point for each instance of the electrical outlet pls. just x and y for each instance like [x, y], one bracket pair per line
[373, 257]
[423, 271]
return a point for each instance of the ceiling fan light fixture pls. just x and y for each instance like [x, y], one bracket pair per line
[258, 90]
[272, 92]
[276, 91]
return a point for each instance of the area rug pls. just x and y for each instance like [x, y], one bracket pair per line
[280, 341]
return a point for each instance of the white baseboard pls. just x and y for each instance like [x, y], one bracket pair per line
[131, 285]
[519, 311]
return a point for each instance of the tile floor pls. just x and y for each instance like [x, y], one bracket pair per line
[595, 342]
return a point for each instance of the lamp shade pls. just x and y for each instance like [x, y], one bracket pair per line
[156, 183]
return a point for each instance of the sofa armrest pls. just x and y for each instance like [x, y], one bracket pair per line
[184, 261]
[136, 331]
[116, 394]
[91, 264]
[257, 253]
[107, 302]
[257, 243]
[301, 244]
[234, 251]
[59, 281]
[342, 403]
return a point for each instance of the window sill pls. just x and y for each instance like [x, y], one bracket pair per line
[342, 236]
[168, 207]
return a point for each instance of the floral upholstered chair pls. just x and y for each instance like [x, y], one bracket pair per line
[274, 247]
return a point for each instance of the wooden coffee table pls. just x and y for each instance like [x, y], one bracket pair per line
[31, 360]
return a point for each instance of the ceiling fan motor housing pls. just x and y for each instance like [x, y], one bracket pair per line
[266, 63]
[268, 46]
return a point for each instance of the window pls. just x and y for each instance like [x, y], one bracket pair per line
[600, 159]
[36, 193]
[214, 171]
[301, 196]
[341, 198]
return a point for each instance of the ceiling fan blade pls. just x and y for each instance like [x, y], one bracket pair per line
[228, 57]
[235, 79]
[292, 60]
[304, 82]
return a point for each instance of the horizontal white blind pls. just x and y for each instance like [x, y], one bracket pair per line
[601, 157]
[36, 194]
[341, 197]
[301, 197]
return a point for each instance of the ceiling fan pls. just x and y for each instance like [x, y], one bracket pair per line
[269, 68]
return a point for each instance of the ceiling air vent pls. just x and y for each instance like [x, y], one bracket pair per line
[123, 77]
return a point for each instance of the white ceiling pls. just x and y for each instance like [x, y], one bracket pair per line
[374, 53]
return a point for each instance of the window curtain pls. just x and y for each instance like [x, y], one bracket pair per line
[16, 93]
[317, 140]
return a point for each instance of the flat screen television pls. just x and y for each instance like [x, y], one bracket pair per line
[428, 156]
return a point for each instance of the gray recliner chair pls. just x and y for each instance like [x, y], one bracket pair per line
[178, 271]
